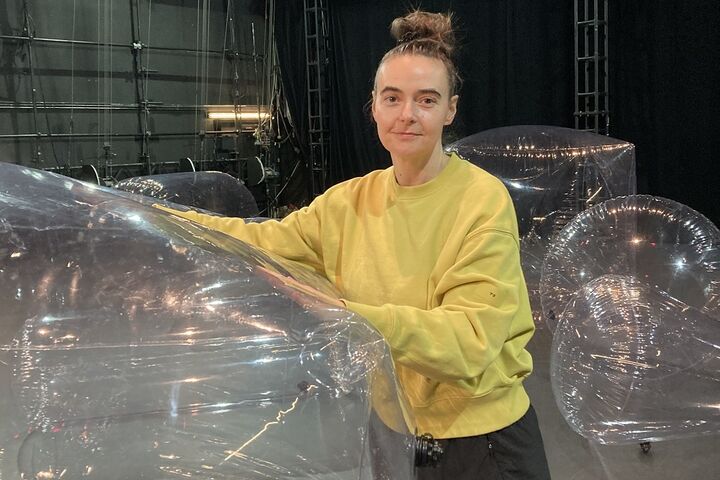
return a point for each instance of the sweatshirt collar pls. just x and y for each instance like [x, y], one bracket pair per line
[427, 188]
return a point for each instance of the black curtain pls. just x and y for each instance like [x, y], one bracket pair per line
[516, 57]
[290, 41]
[664, 84]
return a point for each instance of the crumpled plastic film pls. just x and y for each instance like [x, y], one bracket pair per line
[663, 243]
[632, 364]
[212, 191]
[134, 344]
[552, 174]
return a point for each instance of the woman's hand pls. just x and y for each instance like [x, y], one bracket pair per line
[304, 295]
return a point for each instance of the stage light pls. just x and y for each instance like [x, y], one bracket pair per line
[241, 113]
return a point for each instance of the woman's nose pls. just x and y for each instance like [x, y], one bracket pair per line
[407, 114]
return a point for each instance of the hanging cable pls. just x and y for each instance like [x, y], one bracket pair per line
[107, 146]
[204, 85]
[70, 154]
[258, 88]
[99, 58]
[110, 70]
[204, 68]
[107, 67]
[202, 55]
[146, 90]
[30, 31]
[197, 82]
[139, 77]
[206, 52]
[235, 93]
[225, 52]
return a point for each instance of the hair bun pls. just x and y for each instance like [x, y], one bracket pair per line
[419, 25]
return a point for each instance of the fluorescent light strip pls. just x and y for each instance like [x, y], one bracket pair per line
[254, 116]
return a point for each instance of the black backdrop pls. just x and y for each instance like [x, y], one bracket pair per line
[665, 78]
[516, 57]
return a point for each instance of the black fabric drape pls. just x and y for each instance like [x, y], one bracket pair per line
[516, 57]
[664, 96]
[290, 41]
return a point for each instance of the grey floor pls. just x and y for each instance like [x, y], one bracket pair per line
[572, 457]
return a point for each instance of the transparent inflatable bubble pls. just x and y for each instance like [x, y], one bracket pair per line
[552, 174]
[134, 344]
[632, 364]
[667, 245]
[212, 191]
[532, 251]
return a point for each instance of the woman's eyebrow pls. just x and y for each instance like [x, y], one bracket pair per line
[391, 89]
[422, 91]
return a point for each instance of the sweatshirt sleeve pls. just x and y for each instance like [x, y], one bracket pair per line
[296, 237]
[480, 296]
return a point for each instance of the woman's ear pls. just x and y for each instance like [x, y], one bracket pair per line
[452, 109]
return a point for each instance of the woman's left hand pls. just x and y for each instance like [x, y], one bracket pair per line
[304, 295]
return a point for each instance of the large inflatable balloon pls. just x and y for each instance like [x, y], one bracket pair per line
[663, 243]
[631, 289]
[134, 344]
[632, 364]
[552, 174]
[212, 191]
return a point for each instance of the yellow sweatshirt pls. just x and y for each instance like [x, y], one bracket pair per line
[436, 269]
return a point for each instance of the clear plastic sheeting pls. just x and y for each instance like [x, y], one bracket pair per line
[632, 364]
[212, 191]
[552, 174]
[665, 244]
[631, 288]
[134, 344]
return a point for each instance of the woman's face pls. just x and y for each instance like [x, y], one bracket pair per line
[411, 105]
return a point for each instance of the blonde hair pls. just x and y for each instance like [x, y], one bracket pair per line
[427, 34]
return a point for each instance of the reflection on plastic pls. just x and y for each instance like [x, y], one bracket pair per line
[552, 174]
[212, 191]
[134, 344]
[631, 289]
[632, 364]
[661, 242]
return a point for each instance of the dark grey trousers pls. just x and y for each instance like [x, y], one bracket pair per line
[514, 453]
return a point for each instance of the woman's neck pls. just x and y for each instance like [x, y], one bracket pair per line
[414, 171]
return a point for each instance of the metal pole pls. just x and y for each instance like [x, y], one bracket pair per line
[140, 82]
[24, 38]
[586, 65]
[606, 73]
[136, 62]
[41, 135]
[159, 106]
[118, 165]
[242, 167]
[28, 31]
[596, 62]
[577, 69]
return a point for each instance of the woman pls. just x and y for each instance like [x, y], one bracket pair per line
[427, 251]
